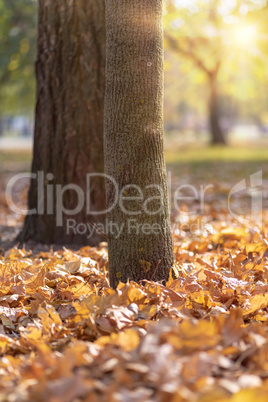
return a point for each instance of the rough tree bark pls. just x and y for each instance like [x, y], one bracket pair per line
[133, 143]
[217, 134]
[68, 139]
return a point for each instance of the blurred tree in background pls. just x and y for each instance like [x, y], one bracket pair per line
[18, 20]
[216, 56]
[219, 44]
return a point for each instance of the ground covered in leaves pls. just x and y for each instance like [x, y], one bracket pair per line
[66, 336]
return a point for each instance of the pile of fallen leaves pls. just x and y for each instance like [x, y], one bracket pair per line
[65, 335]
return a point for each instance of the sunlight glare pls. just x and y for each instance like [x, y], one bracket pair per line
[244, 35]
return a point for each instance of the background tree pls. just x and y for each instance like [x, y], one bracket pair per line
[17, 55]
[68, 137]
[133, 146]
[212, 35]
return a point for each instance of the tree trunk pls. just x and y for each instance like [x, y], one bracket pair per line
[68, 139]
[217, 134]
[133, 143]
[1, 127]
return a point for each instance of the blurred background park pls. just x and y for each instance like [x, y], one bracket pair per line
[216, 87]
[216, 77]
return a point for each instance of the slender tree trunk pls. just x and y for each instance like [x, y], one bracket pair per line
[140, 240]
[217, 134]
[68, 139]
[1, 126]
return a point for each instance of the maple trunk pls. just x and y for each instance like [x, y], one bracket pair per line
[133, 143]
[68, 139]
[217, 133]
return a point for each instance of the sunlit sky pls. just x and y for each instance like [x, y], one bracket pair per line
[242, 34]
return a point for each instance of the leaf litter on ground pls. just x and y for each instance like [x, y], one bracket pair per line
[66, 336]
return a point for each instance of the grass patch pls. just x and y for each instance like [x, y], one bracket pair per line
[22, 156]
[216, 154]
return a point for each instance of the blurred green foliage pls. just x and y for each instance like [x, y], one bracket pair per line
[18, 31]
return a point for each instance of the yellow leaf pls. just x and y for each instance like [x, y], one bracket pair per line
[256, 303]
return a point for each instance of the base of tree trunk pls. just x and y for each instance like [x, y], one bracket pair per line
[37, 231]
[220, 141]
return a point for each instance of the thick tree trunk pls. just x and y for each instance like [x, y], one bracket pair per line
[133, 143]
[68, 140]
[217, 134]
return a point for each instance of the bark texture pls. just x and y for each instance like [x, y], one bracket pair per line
[217, 134]
[133, 142]
[68, 139]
